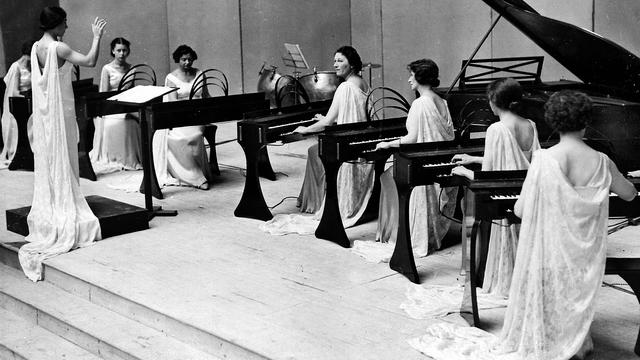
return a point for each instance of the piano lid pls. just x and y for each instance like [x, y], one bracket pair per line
[589, 56]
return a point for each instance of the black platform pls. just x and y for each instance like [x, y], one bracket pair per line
[116, 218]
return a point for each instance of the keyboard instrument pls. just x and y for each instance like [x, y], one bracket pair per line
[417, 165]
[349, 142]
[255, 132]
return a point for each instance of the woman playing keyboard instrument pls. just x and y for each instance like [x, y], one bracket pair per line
[429, 210]
[509, 144]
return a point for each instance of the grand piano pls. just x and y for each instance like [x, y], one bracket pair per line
[609, 74]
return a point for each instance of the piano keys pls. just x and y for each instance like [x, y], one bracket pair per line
[255, 131]
[347, 142]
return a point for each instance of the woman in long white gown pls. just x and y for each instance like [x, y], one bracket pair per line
[508, 145]
[355, 180]
[179, 154]
[60, 218]
[116, 141]
[17, 80]
[564, 206]
[429, 210]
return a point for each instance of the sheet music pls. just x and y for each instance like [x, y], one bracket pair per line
[297, 59]
[142, 94]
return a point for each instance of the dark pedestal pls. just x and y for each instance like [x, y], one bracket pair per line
[116, 218]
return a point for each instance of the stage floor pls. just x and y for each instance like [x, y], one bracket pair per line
[276, 297]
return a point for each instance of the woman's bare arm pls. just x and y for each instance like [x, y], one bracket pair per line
[67, 53]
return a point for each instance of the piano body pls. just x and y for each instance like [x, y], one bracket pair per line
[255, 131]
[609, 74]
[166, 115]
[348, 142]
[417, 165]
[158, 115]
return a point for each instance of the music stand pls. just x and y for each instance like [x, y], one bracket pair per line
[295, 60]
[140, 96]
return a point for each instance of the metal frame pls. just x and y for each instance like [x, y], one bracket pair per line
[514, 70]
[140, 72]
[202, 81]
[399, 102]
[292, 88]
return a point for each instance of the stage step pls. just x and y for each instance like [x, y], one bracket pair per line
[92, 327]
[185, 333]
[24, 340]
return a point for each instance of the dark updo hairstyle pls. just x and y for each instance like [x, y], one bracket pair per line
[26, 47]
[425, 72]
[352, 57]
[505, 93]
[119, 41]
[51, 16]
[184, 50]
[568, 111]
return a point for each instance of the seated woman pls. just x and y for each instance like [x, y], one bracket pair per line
[509, 144]
[17, 80]
[116, 143]
[179, 154]
[355, 180]
[428, 120]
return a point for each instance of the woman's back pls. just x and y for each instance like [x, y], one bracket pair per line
[577, 161]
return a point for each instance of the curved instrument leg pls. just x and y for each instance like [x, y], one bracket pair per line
[252, 204]
[331, 227]
[23, 157]
[86, 130]
[472, 274]
[371, 211]
[264, 165]
[402, 259]
[210, 135]
[149, 184]
[468, 218]
[633, 279]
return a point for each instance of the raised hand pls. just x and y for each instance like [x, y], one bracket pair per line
[98, 26]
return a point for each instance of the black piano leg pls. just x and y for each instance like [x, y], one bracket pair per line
[149, 179]
[210, 135]
[371, 211]
[402, 259]
[264, 165]
[633, 280]
[252, 204]
[473, 274]
[151, 174]
[86, 130]
[331, 227]
[23, 157]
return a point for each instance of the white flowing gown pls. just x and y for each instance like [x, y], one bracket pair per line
[558, 270]
[60, 218]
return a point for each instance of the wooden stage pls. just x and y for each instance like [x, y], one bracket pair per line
[208, 285]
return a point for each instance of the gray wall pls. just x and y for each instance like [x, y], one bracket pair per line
[237, 36]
